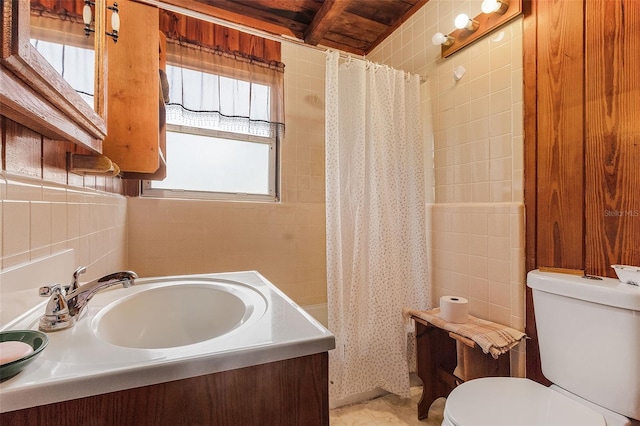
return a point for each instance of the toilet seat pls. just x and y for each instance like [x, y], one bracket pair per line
[508, 401]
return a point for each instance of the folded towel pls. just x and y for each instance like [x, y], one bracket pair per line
[492, 337]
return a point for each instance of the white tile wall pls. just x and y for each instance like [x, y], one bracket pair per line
[40, 218]
[477, 121]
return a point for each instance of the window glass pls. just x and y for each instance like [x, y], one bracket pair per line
[208, 163]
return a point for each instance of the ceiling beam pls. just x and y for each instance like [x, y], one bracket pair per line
[209, 8]
[323, 20]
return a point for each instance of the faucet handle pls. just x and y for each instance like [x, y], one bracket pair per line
[48, 290]
[57, 316]
[74, 281]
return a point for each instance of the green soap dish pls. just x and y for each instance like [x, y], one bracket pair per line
[37, 340]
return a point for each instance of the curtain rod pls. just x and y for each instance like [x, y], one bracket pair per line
[348, 56]
[253, 31]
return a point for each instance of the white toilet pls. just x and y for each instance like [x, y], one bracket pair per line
[589, 337]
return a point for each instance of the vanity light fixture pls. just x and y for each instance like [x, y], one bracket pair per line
[494, 14]
[463, 21]
[497, 6]
[440, 39]
[87, 18]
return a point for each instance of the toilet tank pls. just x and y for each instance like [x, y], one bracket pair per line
[589, 337]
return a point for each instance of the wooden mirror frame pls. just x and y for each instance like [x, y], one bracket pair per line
[487, 22]
[33, 94]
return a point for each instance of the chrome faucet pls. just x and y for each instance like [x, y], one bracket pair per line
[68, 303]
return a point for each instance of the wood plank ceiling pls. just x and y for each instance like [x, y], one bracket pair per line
[355, 26]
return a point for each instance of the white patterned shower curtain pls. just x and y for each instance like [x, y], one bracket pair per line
[376, 232]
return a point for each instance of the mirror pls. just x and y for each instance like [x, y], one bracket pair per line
[36, 96]
[58, 35]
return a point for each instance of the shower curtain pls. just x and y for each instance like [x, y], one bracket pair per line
[376, 232]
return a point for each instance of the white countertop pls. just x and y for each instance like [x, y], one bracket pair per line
[77, 364]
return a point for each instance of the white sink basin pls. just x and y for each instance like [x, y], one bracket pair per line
[163, 329]
[177, 315]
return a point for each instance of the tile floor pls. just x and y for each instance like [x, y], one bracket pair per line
[387, 410]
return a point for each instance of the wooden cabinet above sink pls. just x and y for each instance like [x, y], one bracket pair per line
[135, 130]
[35, 95]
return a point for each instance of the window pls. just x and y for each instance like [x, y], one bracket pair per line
[232, 165]
[222, 139]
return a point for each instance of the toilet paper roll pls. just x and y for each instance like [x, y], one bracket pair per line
[454, 309]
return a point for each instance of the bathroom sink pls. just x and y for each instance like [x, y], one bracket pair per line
[178, 315]
[160, 330]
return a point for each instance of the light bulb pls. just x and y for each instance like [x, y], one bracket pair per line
[490, 6]
[463, 21]
[439, 39]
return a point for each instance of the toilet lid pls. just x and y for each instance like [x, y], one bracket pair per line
[511, 401]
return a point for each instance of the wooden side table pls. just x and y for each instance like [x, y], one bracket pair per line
[438, 355]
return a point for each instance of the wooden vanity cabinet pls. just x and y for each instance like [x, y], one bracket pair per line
[134, 130]
[288, 392]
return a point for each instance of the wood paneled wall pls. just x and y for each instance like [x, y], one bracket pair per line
[582, 139]
[28, 153]
[560, 135]
[612, 131]
[207, 34]
[71, 9]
